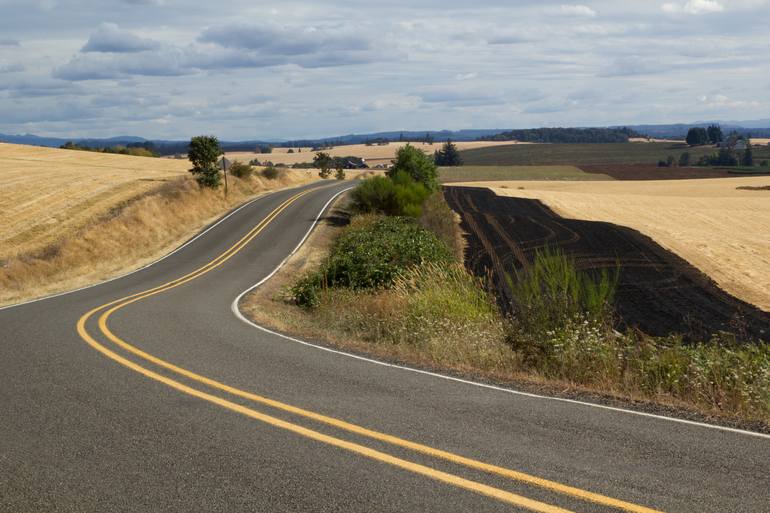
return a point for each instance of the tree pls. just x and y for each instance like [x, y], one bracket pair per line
[670, 160]
[448, 155]
[340, 174]
[417, 165]
[714, 133]
[697, 136]
[684, 159]
[324, 162]
[748, 156]
[428, 138]
[203, 152]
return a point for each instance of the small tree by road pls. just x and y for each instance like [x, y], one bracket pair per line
[203, 154]
[324, 162]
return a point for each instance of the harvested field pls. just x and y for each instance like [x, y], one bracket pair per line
[579, 154]
[74, 218]
[482, 173]
[373, 154]
[653, 172]
[50, 193]
[659, 292]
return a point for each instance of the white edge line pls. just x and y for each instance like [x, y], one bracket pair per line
[234, 306]
[196, 237]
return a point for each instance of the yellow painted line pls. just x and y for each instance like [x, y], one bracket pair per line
[460, 482]
[453, 458]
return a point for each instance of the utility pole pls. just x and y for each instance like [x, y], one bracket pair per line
[224, 164]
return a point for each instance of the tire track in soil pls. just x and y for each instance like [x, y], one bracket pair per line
[658, 292]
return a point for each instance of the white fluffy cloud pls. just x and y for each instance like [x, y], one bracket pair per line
[582, 11]
[694, 7]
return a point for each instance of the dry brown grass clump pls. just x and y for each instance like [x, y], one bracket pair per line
[121, 235]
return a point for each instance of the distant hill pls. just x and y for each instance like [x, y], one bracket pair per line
[591, 134]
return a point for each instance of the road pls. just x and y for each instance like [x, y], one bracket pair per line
[147, 393]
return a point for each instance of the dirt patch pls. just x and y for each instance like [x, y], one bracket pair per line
[659, 292]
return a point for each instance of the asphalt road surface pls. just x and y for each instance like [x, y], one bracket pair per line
[147, 393]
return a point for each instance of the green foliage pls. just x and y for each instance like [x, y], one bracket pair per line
[271, 172]
[203, 153]
[448, 155]
[399, 195]
[697, 136]
[440, 219]
[684, 159]
[340, 173]
[240, 170]
[714, 134]
[725, 157]
[764, 163]
[371, 254]
[415, 163]
[323, 161]
[551, 292]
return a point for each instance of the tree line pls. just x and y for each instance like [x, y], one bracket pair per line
[566, 135]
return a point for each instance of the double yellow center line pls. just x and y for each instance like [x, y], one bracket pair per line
[108, 309]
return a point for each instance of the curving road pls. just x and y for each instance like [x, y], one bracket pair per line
[147, 393]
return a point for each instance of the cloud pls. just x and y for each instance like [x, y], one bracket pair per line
[460, 98]
[721, 101]
[4, 41]
[582, 11]
[284, 40]
[11, 68]
[693, 7]
[109, 38]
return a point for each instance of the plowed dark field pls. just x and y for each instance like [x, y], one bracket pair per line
[658, 292]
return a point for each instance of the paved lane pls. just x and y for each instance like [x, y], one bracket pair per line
[123, 430]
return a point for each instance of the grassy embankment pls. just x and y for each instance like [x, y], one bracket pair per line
[75, 218]
[422, 307]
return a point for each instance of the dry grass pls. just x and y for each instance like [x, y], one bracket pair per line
[49, 193]
[373, 154]
[760, 141]
[110, 221]
[721, 230]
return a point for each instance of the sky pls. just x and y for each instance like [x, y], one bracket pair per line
[246, 69]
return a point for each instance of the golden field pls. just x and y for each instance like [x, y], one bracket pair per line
[72, 218]
[721, 230]
[373, 154]
[49, 193]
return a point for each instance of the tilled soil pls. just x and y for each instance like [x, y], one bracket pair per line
[658, 292]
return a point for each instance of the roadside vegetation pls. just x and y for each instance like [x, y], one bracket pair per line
[125, 233]
[392, 282]
[133, 149]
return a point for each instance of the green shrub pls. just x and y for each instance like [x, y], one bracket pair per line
[370, 254]
[550, 295]
[440, 219]
[271, 172]
[396, 196]
[240, 170]
[417, 165]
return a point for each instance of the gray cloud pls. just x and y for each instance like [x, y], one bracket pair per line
[109, 38]
[296, 69]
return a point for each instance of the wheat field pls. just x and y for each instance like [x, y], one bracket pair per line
[48, 194]
[721, 230]
[72, 218]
